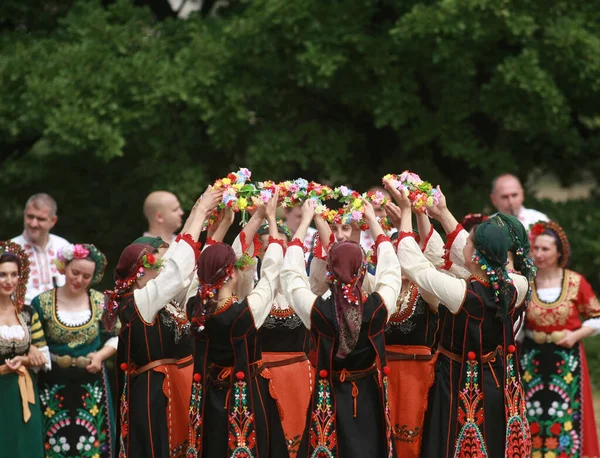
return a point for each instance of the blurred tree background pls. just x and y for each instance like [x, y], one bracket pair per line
[104, 101]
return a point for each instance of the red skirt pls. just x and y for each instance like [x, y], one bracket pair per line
[292, 384]
[408, 390]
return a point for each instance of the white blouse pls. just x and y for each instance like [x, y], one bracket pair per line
[297, 287]
[262, 296]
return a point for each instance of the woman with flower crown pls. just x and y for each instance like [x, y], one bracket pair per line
[563, 311]
[75, 394]
[348, 413]
[154, 381]
[234, 410]
[21, 432]
[475, 403]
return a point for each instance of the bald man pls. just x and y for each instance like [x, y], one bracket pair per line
[508, 197]
[164, 215]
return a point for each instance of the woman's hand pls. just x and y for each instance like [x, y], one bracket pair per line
[437, 210]
[394, 213]
[95, 364]
[369, 213]
[36, 357]
[271, 208]
[15, 363]
[308, 210]
[209, 200]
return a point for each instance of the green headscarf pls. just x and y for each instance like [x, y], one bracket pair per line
[281, 228]
[518, 243]
[491, 247]
[154, 242]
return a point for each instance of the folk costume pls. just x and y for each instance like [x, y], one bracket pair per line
[285, 344]
[234, 409]
[154, 355]
[476, 401]
[21, 432]
[349, 410]
[77, 404]
[555, 378]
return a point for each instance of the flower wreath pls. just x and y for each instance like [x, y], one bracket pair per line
[17, 251]
[238, 193]
[421, 193]
[82, 251]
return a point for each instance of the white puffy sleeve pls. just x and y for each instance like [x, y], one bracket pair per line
[174, 278]
[245, 282]
[448, 290]
[261, 298]
[295, 284]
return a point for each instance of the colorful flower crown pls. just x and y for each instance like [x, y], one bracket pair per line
[421, 193]
[69, 252]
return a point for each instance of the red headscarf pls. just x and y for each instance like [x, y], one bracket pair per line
[215, 267]
[126, 273]
[347, 267]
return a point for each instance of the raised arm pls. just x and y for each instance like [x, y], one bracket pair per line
[294, 281]
[388, 278]
[180, 261]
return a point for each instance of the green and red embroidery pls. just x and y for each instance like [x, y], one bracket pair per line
[554, 402]
[91, 416]
[242, 435]
[470, 442]
[195, 428]
[322, 435]
[518, 436]
[389, 436]
[124, 418]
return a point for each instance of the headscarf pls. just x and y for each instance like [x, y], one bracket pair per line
[129, 269]
[155, 242]
[82, 251]
[491, 247]
[15, 251]
[518, 243]
[346, 266]
[553, 229]
[215, 267]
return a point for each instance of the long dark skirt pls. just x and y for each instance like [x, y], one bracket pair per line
[444, 427]
[267, 431]
[559, 400]
[78, 413]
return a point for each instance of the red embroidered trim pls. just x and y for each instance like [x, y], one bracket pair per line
[331, 242]
[448, 246]
[428, 238]
[318, 250]
[257, 244]
[295, 242]
[210, 241]
[196, 246]
[278, 242]
[379, 240]
[402, 235]
[245, 244]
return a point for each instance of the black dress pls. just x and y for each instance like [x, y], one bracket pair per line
[349, 413]
[230, 392]
[149, 401]
[476, 402]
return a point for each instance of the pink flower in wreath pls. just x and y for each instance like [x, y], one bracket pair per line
[80, 252]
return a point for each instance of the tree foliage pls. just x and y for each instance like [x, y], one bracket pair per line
[103, 102]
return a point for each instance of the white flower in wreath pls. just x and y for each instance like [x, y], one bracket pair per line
[52, 441]
[79, 446]
[56, 448]
[551, 411]
[66, 447]
[92, 439]
[560, 414]
[565, 406]
[63, 440]
[67, 252]
[87, 447]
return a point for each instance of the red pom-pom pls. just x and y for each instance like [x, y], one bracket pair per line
[240, 375]
[123, 367]
[150, 258]
[323, 373]
[386, 370]
[197, 377]
[471, 355]
[512, 348]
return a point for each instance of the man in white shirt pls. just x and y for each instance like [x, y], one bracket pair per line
[41, 246]
[164, 215]
[508, 196]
